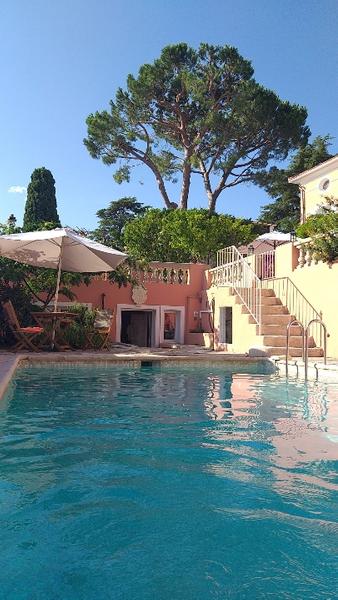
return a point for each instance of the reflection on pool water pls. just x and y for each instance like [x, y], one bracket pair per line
[169, 483]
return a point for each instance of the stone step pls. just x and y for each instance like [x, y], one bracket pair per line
[273, 319]
[296, 352]
[277, 330]
[280, 340]
[270, 300]
[269, 309]
[275, 309]
[267, 293]
[276, 319]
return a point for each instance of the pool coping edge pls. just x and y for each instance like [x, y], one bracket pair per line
[9, 362]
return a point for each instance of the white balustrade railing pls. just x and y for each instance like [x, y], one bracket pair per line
[171, 273]
[233, 270]
[307, 254]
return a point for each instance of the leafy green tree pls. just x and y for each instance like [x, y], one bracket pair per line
[12, 224]
[322, 228]
[184, 236]
[41, 201]
[284, 212]
[114, 218]
[195, 112]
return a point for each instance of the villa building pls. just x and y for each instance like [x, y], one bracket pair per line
[243, 304]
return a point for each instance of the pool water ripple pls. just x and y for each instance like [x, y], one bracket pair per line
[171, 483]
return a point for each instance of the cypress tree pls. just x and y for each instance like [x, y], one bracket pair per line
[40, 205]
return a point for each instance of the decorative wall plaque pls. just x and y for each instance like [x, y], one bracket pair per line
[139, 294]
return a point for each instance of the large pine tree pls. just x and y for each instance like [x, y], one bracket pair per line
[41, 206]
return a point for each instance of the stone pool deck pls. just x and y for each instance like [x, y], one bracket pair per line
[10, 361]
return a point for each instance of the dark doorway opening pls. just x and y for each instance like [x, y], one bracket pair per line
[228, 324]
[137, 327]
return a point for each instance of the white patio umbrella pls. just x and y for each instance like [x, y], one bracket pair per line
[274, 236]
[62, 249]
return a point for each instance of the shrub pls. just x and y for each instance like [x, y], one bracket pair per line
[322, 228]
[75, 334]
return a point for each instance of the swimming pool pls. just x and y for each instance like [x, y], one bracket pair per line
[168, 483]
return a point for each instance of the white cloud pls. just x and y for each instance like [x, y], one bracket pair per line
[17, 189]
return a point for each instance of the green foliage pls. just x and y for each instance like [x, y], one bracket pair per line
[122, 275]
[110, 231]
[284, 212]
[39, 283]
[10, 226]
[184, 236]
[75, 333]
[196, 112]
[322, 228]
[41, 202]
[114, 218]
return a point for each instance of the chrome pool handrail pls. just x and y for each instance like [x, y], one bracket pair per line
[306, 358]
[293, 323]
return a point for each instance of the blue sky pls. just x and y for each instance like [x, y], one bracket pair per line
[61, 60]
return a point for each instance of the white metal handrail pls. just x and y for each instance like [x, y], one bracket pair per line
[234, 271]
[297, 304]
[263, 264]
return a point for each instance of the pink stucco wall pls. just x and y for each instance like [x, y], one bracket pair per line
[189, 295]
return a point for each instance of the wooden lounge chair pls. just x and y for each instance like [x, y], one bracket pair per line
[99, 337]
[23, 335]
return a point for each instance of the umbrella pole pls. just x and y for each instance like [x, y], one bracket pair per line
[56, 299]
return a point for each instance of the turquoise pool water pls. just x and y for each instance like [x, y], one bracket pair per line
[167, 484]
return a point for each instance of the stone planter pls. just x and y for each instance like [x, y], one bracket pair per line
[208, 340]
[194, 339]
[199, 339]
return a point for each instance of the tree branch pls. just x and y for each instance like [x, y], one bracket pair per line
[135, 153]
[186, 177]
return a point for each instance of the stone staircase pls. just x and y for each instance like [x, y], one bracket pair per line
[275, 318]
